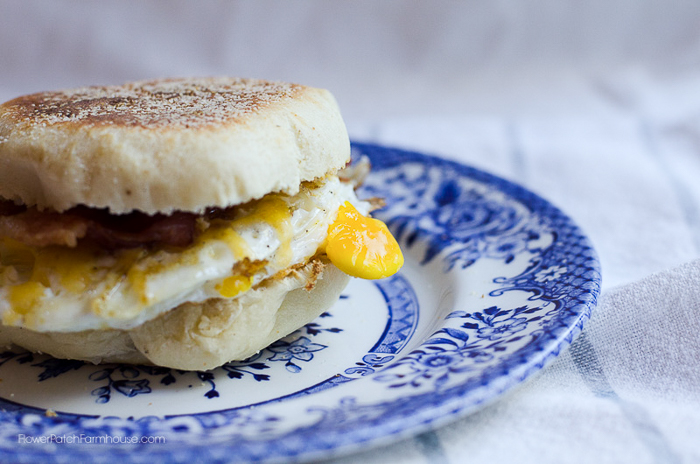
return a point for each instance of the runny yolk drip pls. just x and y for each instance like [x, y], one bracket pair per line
[362, 246]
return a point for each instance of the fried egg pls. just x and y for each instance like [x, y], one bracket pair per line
[62, 289]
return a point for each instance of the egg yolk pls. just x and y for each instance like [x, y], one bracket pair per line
[232, 286]
[362, 246]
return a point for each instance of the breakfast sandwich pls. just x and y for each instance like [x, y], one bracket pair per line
[183, 223]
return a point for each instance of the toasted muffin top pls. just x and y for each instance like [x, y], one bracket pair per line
[164, 145]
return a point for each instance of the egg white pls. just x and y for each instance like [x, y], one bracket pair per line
[127, 288]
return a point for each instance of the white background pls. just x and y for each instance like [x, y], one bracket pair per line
[380, 58]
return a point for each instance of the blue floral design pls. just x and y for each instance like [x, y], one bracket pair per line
[446, 353]
[128, 386]
[493, 323]
[550, 274]
[434, 366]
[369, 364]
[238, 369]
[132, 380]
[459, 350]
[502, 329]
[301, 349]
[20, 357]
[461, 217]
[463, 221]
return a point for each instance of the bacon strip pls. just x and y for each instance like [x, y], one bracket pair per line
[43, 228]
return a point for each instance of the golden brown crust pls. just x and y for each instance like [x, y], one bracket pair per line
[152, 104]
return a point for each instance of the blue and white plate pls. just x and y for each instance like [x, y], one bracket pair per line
[497, 282]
